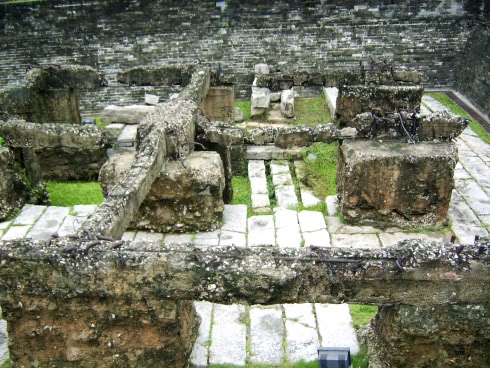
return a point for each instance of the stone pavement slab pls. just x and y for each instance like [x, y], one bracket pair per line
[260, 201]
[286, 196]
[16, 232]
[258, 185]
[288, 238]
[49, 223]
[228, 335]
[460, 173]
[284, 217]
[460, 213]
[311, 221]
[335, 326]
[279, 167]
[29, 215]
[210, 238]
[256, 169]
[70, 225]
[319, 238]
[177, 238]
[235, 218]
[308, 198]
[266, 333]
[271, 152]
[200, 352]
[282, 179]
[228, 238]
[261, 231]
[475, 196]
[477, 168]
[355, 240]
[301, 333]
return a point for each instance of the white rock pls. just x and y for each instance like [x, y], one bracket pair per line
[319, 238]
[132, 114]
[301, 334]
[260, 98]
[348, 133]
[256, 169]
[127, 138]
[151, 99]
[308, 198]
[331, 95]
[258, 185]
[286, 196]
[262, 69]
[287, 103]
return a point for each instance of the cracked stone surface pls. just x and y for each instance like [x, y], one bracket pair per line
[266, 334]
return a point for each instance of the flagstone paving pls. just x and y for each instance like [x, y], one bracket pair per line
[238, 334]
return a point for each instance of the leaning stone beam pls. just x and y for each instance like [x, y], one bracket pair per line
[411, 273]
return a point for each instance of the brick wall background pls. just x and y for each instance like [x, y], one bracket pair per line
[334, 34]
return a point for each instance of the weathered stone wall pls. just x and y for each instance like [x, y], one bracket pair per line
[114, 35]
[473, 73]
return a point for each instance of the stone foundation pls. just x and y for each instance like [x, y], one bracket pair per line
[455, 336]
[186, 196]
[395, 184]
[354, 100]
[99, 332]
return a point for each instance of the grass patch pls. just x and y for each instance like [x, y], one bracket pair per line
[2, 141]
[242, 193]
[311, 111]
[321, 173]
[362, 314]
[68, 194]
[246, 107]
[361, 359]
[6, 364]
[458, 110]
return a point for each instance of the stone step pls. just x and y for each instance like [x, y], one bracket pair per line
[271, 152]
[432, 104]
[258, 184]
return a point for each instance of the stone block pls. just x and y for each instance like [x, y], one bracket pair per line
[331, 94]
[151, 99]
[260, 98]
[354, 100]
[186, 196]
[262, 69]
[433, 335]
[261, 231]
[132, 114]
[101, 332]
[287, 103]
[266, 335]
[395, 184]
[219, 104]
[271, 152]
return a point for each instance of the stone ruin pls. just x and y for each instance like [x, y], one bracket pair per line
[99, 301]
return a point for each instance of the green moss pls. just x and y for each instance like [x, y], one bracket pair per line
[73, 193]
[321, 173]
[311, 111]
[100, 122]
[2, 141]
[246, 107]
[361, 314]
[455, 108]
[361, 360]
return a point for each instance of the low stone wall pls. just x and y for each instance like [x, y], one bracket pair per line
[63, 152]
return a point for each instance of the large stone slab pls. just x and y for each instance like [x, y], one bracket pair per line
[311, 221]
[335, 326]
[286, 196]
[228, 340]
[126, 114]
[235, 218]
[228, 238]
[29, 215]
[16, 232]
[261, 231]
[266, 335]
[271, 152]
[475, 196]
[301, 333]
[395, 184]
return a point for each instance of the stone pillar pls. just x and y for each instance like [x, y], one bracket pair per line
[442, 336]
[99, 332]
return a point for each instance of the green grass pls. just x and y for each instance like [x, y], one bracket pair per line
[100, 122]
[358, 361]
[362, 314]
[311, 111]
[321, 174]
[72, 193]
[246, 107]
[2, 141]
[6, 364]
[361, 359]
[455, 108]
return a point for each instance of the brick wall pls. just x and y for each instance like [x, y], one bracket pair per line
[335, 34]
